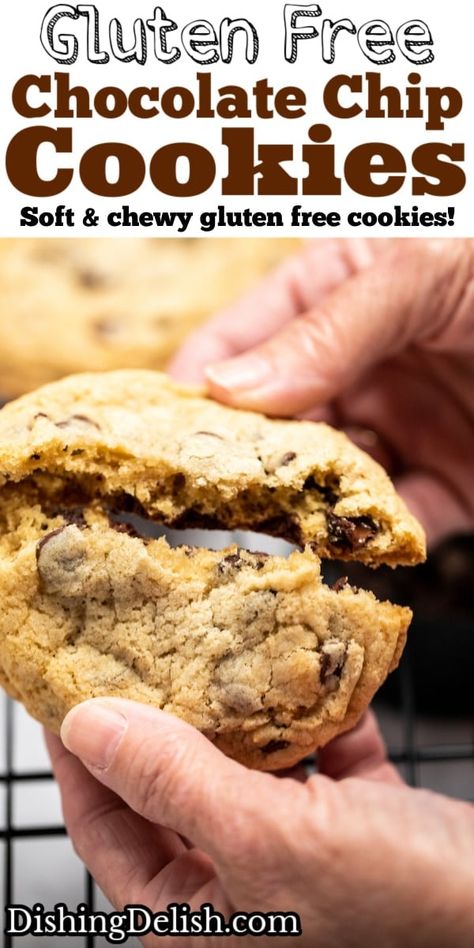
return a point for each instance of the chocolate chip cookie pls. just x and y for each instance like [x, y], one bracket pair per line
[136, 438]
[256, 651]
[95, 304]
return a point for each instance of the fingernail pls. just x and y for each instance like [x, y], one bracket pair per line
[93, 731]
[242, 374]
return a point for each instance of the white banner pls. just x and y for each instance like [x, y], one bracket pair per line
[204, 118]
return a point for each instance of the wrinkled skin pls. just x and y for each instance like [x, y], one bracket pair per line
[159, 815]
[377, 337]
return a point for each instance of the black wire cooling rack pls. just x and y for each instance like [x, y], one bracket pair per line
[409, 756]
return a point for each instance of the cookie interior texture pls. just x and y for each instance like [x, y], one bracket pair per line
[98, 303]
[136, 439]
[255, 651]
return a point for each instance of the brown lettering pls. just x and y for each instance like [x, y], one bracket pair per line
[93, 168]
[21, 160]
[202, 169]
[375, 158]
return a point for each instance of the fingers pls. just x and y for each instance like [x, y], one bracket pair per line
[170, 774]
[120, 849]
[359, 753]
[371, 316]
[292, 289]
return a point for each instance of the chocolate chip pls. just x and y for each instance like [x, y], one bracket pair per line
[333, 659]
[35, 457]
[62, 559]
[235, 561]
[40, 414]
[91, 279]
[127, 503]
[326, 492]
[324, 668]
[230, 563]
[106, 327]
[287, 459]
[192, 519]
[83, 419]
[281, 526]
[350, 533]
[340, 584]
[46, 539]
[179, 482]
[273, 746]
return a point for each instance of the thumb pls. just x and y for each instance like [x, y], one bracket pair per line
[370, 317]
[171, 774]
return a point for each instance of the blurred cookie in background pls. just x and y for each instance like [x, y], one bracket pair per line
[98, 303]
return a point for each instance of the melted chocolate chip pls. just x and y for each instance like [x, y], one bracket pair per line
[179, 482]
[273, 746]
[35, 457]
[340, 584]
[46, 539]
[287, 459]
[193, 519]
[126, 503]
[40, 414]
[82, 418]
[350, 533]
[329, 495]
[326, 492]
[281, 526]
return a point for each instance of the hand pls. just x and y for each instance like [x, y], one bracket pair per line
[159, 815]
[375, 336]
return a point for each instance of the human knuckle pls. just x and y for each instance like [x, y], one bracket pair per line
[87, 830]
[324, 818]
[355, 255]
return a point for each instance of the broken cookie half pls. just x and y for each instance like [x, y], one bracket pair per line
[137, 438]
[255, 651]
